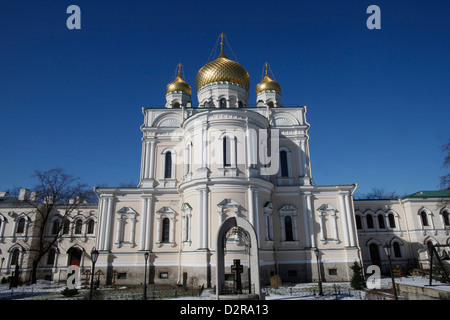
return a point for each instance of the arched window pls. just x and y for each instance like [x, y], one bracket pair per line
[397, 251]
[15, 257]
[288, 228]
[358, 222]
[284, 164]
[226, 151]
[56, 226]
[168, 165]
[51, 256]
[176, 105]
[374, 254]
[91, 225]
[66, 226]
[424, 217]
[223, 103]
[381, 224]
[369, 221]
[391, 219]
[445, 217]
[165, 230]
[21, 225]
[78, 225]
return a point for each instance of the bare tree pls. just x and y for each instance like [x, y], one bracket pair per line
[378, 194]
[60, 194]
[445, 180]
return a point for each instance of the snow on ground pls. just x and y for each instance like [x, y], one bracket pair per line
[301, 291]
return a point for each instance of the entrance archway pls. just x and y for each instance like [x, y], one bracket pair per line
[252, 252]
[74, 256]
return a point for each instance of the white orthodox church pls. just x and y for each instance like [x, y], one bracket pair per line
[226, 191]
[225, 159]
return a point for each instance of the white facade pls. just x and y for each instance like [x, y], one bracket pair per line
[224, 158]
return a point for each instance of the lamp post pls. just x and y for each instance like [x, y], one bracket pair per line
[145, 275]
[94, 257]
[387, 251]
[316, 251]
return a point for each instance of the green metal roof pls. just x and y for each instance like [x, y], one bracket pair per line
[429, 194]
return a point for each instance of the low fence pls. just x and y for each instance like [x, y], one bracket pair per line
[23, 292]
[332, 292]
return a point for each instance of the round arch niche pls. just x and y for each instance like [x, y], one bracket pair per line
[253, 254]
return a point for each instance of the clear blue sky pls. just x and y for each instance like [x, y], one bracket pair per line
[378, 100]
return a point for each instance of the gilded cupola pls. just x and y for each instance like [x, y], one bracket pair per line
[178, 92]
[268, 91]
[222, 69]
[179, 84]
[268, 84]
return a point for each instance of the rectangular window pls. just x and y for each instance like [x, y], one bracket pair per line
[292, 273]
[332, 272]
[284, 164]
[168, 166]
[226, 152]
[164, 275]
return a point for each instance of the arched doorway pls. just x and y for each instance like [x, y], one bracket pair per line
[375, 254]
[74, 256]
[243, 229]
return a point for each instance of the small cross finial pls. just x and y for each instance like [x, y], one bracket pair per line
[266, 66]
[179, 66]
[222, 35]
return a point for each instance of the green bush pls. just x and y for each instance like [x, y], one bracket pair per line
[69, 292]
[357, 282]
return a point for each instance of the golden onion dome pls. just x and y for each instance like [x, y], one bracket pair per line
[268, 84]
[179, 85]
[222, 69]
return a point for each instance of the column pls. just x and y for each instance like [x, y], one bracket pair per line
[303, 157]
[119, 235]
[109, 223]
[256, 213]
[133, 230]
[350, 219]
[143, 223]
[148, 223]
[311, 220]
[199, 218]
[305, 222]
[204, 147]
[335, 227]
[321, 223]
[300, 144]
[251, 209]
[152, 160]
[344, 219]
[146, 158]
[205, 217]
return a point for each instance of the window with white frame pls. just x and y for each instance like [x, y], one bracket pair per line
[168, 165]
[285, 175]
[165, 228]
[288, 217]
[328, 224]
[228, 144]
[126, 227]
